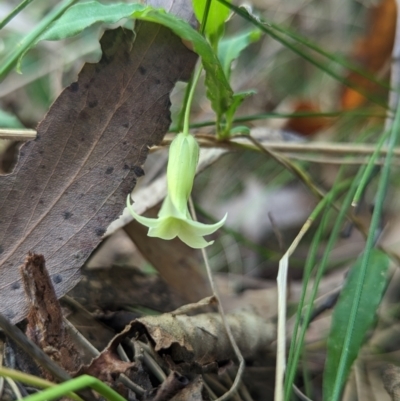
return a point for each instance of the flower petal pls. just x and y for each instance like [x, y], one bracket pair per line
[146, 221]
[168, 228]
[206, 229]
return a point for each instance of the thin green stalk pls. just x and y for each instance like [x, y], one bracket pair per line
[13, 13]
[368, 171]
[24, 45]
[31, 380]
[296, 343]
[371, 239]
[188, 104]
[296, 49]
[190, 84]
[76, 384]
[324, 262]
[181, 116]
[265, 116]
[205, 16]
[337, 59]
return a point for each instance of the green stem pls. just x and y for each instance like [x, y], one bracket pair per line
[76, 384]
[30, 380]
[14, 12]
[190, 99]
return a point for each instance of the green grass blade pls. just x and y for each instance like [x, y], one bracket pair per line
[358, 294]
[264, 26]
[14, 13]
[33, 381]
[369, 169]
[73, 385]
[373, 286]
[298, 338]
[28, 41]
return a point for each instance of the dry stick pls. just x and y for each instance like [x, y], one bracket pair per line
[214, 289]
[33, 350]
[17, 134]
[278, 146]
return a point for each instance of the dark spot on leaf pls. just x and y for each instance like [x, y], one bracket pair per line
[138, 171]
[9, 314]
[1, 249]
[37, 138]
[57, 279]
[124, 143]
[93, 103]
[109, 170]
[43, 166]
[40, 152]
[126, 167]
[74, 87]
[126, 125]
[83, 115]
[157, 81]
[67, 215]
[60, 238]
[82, 139]
[100, 231]
[41, 202]
[142, 70]
[15, 286]
[22, 154]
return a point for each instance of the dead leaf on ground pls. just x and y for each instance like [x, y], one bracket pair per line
[193, 344]
[71, 182]
[372, 53]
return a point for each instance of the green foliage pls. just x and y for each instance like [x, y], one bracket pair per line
[8, 120]
[229, 48]
[373, 287]
[83, 15]
[217, 14]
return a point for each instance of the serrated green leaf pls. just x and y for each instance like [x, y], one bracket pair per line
[82, 15]
[217, 15]
[371, 295]
[229, 49]
[237, 100]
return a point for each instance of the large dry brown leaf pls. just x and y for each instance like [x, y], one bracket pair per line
[72, 181]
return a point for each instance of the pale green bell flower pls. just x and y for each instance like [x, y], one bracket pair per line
[174, 219]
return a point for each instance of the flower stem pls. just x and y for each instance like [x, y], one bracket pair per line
[190, 99]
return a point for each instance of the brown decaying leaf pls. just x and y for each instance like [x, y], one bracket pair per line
[199, 343]
[45, 320]
[71, 182]
[372, 53]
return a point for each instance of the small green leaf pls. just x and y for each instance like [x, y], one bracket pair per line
[371, 295]
[237, 100]
[230, 48]
[217, 15]
[83, 15]
[240, 130]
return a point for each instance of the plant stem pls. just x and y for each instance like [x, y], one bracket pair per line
[14, 12]
[190, 99]
[23, 46]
